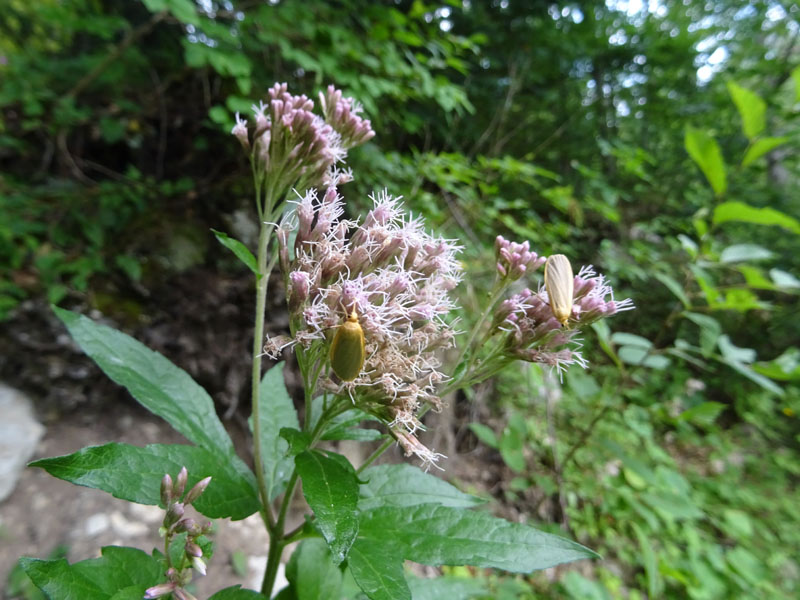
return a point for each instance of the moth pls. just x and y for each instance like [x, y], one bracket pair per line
[559, 282]
[347, 350]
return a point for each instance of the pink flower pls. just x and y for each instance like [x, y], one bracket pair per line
[397, 278]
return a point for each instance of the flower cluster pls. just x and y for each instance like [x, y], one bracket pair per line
[397, 278]
[343, 116]
[514, 259]
[531, 331]
[179, 575]
[296, 148]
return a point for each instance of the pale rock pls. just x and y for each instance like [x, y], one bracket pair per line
[97, 524]
[20, 432]
[125, 527]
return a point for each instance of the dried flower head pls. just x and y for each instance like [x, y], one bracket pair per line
[397, 278]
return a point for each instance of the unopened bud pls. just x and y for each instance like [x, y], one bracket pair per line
[198, 489]
[182, 594]
[166, 489]
[193, 550]
[174, 513]
[180, 483]
[187, 524]
[199, 565]
[158, 591]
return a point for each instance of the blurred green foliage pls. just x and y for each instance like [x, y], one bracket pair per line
[660, 144]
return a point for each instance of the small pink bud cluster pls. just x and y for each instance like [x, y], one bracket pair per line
[397, 278]
[343, 115]
[531, 331]
[515, 260]
[296, 148]
[175, 522]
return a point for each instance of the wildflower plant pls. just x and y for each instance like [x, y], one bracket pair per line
[393, 282]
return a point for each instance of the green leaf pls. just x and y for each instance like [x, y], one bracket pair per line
[312, 573]
[739, 211]
[451, 588]
[134, 474]
[731, 352]
[346, 425]
[331, 491]
[485, 434]
[630, 339]
[98, 578]
[796, 77]
[751, 108]
[297, 440]
[785, 367]
[744, 252]
[710, 330]
[760, 147]
[784, 280]
[378, 571]
[676, 288]
[753, 376]
[654, 582]
[158, 385]
[276, 411]
[239, 249]
[236, 593]
[703, 414]
[705, 152]
[445, 535]
[406, 485]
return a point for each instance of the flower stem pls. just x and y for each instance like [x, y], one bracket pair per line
[258, 340]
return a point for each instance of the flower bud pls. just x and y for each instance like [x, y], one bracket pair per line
[199, 565]
[198, 489]
[174, 513]
[158, 591]
[182, 594]
[193, 550]
[166, 489]
[187, 524]
[180, 483]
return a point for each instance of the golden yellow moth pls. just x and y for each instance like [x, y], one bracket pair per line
[558, 281]
[347, 349]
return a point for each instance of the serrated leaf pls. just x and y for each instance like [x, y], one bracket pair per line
[739, 211]
[98, 578]
[276, 412]
[751, 109]
[134, 474]
[158, 385]
[378, 571]
[705, 152]
[312, 573]
[236, 593]
[239, 249]
[297, 440]
[444, 535]
[744, 252]
[331, 491]
[406, 485]
[761, 147]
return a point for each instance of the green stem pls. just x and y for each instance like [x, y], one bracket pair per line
[374, 456]
[258, 340]
[497, 290]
